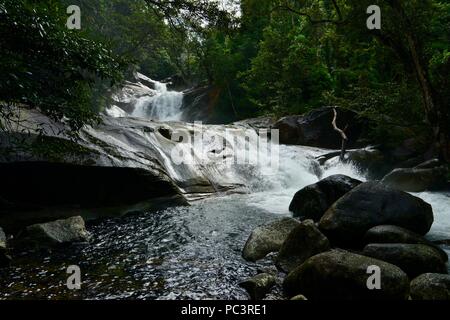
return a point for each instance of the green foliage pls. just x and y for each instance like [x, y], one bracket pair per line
[46, 66]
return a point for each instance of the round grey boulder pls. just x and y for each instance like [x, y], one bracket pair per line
[431, 286]
[268, 238]
[341, 275]
[414, 259]
[314, 200]
[372, 204]
[302, 243]
[46, 235]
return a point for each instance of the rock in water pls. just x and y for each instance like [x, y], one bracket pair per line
[2, 240]
[259, 286]
[394, 234]
[372, 204]
[268, 238]
[302, 243]
[314, 200]
[4, 258]
[414, 259]
[430, 164]
[315, 129]
[54, 233]
[300, 297]
[341, 275]
[416, 180]
[431, 286]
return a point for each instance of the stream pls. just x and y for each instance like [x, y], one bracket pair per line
[189, 252]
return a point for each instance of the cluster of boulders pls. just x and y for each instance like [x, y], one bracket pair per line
[44, 236]
[355, 241]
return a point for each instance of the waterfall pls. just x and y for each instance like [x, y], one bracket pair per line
[164, 105]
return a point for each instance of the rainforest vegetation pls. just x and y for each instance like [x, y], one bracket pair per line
[262, 57]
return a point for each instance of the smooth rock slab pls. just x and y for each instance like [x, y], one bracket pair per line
[431, 286]
[314, 200]
[341, 275]
[372, 204]
[54, 233]
[259, 286]
[394, 234]
[414, 259]
[302, 243]
[268, 238]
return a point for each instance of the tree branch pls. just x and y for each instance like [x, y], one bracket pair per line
[342, 134]
[339, 21]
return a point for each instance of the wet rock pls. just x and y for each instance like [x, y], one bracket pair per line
[414, 259]
[60, 190]
[260, 123]
[199, 104]
[268, 238]
[165, 132]
[259, 286]
[2, 240]
[315, 128]
[431, 286]
[372, 204]
[299, 298]
[430, 164]
[416, 180]
[4, 257]
[394, 234]
[302, 243]
[341, 275]
[46, 235]
[442, 242]
[314, 200]
[370, 160]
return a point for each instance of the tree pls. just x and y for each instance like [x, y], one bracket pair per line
[405, 31]
[45, 66]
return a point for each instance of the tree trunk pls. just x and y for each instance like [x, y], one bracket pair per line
[435, 116]
[434, 109]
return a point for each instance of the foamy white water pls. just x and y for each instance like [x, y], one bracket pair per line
[164, 105]
[440, 201]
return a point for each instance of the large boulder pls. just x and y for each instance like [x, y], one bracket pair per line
[431, 286]
[372, 204]
[50, 234]
[314, 200]
[302, 243]
[414, 259]
[416, 180]
[394, 234]
[268, 238]
[341, 275]
[259, 286]
[315, 128]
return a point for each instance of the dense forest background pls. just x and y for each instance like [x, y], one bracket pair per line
[261, 57]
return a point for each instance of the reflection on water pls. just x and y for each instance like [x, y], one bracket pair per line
[181, 253]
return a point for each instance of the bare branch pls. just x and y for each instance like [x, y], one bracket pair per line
[341, 132]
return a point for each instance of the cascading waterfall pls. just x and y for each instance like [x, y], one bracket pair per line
[186, 252]
[164, 105]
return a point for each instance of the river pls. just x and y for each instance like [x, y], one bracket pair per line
[184, 252]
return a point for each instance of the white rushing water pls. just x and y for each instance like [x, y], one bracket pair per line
[164, 105]
[267, 189]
